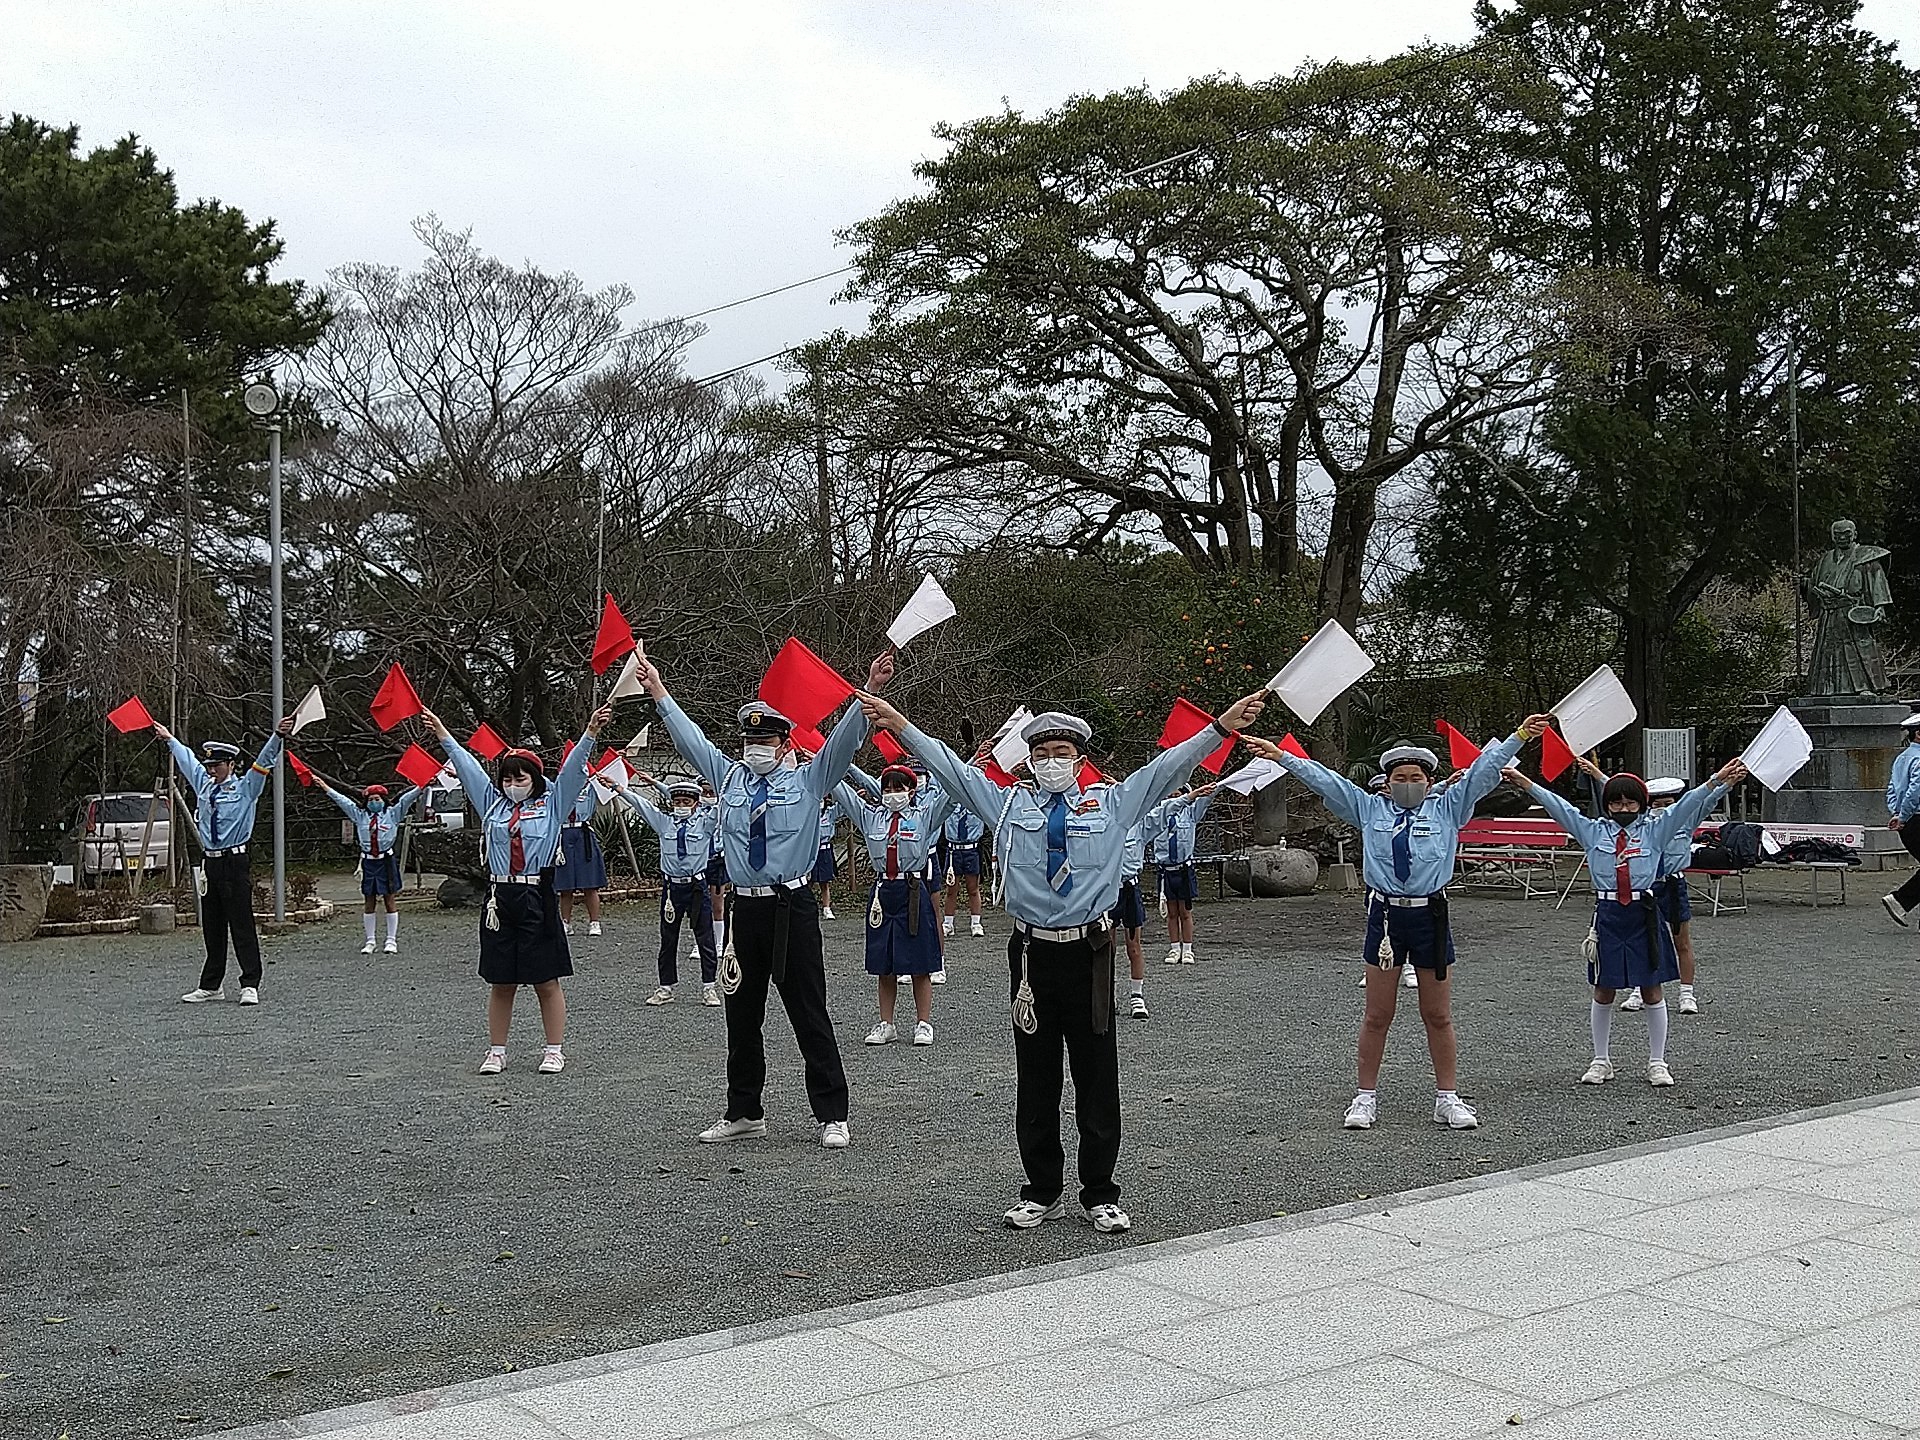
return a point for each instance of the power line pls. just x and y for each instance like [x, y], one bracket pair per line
[749, 299]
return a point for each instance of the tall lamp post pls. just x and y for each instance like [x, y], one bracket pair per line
[263, 403]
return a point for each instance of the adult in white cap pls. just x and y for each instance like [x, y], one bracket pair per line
[1409, 839]
[1903, 803]
[770, 828]
[1060, 846]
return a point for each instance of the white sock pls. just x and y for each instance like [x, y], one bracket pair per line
[1686, 989]
[1363, 1095]
[1138, 987]
[553, 1049]
[496, 1049]
[368, 917]
[1602, 1019]
[393, 926]
[1657, 1031]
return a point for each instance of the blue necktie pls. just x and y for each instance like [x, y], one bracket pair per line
[680, 840]
[1403, 847]
[213, 817]
[757, 826]
[1057, 874]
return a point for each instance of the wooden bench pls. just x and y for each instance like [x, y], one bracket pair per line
[1519, 851]
[1850, 836]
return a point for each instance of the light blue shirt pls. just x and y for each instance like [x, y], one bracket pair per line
[1433, 830]
[1650, 839]
[224, 813]
[1180, 820]
[377, 832]
[538, 819]
[794, 794]
[584, 807]
[712, 808]
[1134, 857]
[685, 845]
[963, 827]
[919, 830]
[1098, 820]
[1903, 784]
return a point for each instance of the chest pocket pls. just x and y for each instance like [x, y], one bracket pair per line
[1094, 822]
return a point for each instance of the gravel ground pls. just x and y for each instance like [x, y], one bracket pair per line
[211, 1216]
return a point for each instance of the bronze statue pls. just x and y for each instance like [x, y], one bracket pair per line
[1847, 588]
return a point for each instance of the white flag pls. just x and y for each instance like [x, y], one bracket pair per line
[1320, 671]
[928, 607]
[310, 709]
[1598, 709]
[614, 772]
[1009, 750]
[642, 741]
[1779, 751]
[1256, 774]
[628, 682]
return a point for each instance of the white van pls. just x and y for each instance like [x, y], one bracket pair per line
[108, 830]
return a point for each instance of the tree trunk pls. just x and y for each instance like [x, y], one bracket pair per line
[1646, 681]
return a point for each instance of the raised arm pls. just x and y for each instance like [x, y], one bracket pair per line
[829, 767]
[1153, 782]
[572, 778]
[1339, 794]
[480, 790]
[970, 787]
[347, 807]
[401, 807]
[850, 801]
[644, 808]
[691, 741]
[1683, 817]
[1482, 777]
[255, 780]
[188, 764]
[1582, 828]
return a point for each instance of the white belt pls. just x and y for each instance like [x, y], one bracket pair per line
[765, 890]
[230, 850]
[1612, 895]
[515, 879]
[963, 844]
[1406, 902]
[697, 877]
[1054, 937]
[575, 825]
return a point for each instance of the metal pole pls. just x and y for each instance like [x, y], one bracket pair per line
[1793, 461]
[279, 681]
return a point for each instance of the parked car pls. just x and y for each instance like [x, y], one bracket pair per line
[108, 830]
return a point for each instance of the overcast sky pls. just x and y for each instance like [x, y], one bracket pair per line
[695, 152]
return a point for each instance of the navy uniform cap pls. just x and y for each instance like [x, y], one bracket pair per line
[1411, 755]
[762, 720]
[219, 750]
[1055, 725]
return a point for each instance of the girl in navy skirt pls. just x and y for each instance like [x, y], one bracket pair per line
[582, 869]
[903, 927]
[824, 865]
[1632, 942]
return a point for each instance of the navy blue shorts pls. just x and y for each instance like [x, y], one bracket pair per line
[964, 859]
[1180, 882]
[717, 871]
[581, 865]
[1416, 935]
[1130, 911]
[825, 867]
[1676, 901]
[1636, 945]
[379, 877]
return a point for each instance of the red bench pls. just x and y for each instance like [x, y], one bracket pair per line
[1523, 851]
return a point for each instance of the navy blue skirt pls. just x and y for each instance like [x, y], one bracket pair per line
[825, 867]
[379, 877]
[717, 871]
[1636, 945]
[581, 865]
[1179, 882]
[1676, 901]
[1130, 911]
[890, 949]
[1416, 935]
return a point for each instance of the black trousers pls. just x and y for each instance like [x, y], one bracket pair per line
[1908, 895]
[227, 909]
[1063, 978]
[688, 897]
[803, 990]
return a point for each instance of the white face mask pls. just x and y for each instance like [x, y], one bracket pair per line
[1056, 776]
[760, 758]
[897, 799]
[517, 790]
[683, 811]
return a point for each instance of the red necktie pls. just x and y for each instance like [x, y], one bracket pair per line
[1622, 872]
[893, 847]
[517, 860]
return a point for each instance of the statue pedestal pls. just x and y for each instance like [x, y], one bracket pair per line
[1845, 783]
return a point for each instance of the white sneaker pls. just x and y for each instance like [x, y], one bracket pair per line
[1688, 1005]
[249, 995]
[946, 926]
[1454, 1113]
[1173, 954]
[367, 949]
[827, 914]
[1186, 954]
[1599, 1072]
[977, 928]
[940, 977]
[200, 997]
[1633, 1000]
[392, 947]
[1409, 978]
[834, 1135]
[1029, 1213]
[593, 927]
[1894, 912]
[552, 1062]
[1361, 1112]
[882, 1034]
[923, 1033]
[1658, 1074]
[722, 1131]
[1109, 1219]
[663, 996]
[495, 1062]
[710, 995]
[1138, 1007]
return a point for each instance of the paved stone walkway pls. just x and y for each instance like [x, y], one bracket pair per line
[1758, 1280]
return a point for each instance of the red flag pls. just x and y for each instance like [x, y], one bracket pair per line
[130, 717]
[417, 766]
[891, 750]
[1461, 752]
[299, 768]
[1089, 774]
[605, 760]
[803, 687]
[486, 743]
[1188, 720]
[397, 700]
[1555, 757]
[991, 769]
[806, 738]
[615, 637]
[1293, 747]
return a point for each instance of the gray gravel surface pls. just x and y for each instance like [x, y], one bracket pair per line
[213, 1216]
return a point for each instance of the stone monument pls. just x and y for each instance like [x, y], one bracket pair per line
[1847, 707]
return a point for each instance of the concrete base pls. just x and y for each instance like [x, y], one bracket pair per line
[1845, 783]
[157, 920]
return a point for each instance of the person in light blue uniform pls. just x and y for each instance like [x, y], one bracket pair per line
[582, 866]
[961, 839]
[1130, 914]
[1632, 943]
[522, 941]
[717, 889]
[225, 803]
[687, 830]
[1903, 803]
[770, 829]
[1059, 851]
[377, 823]
[903, 936]
[1676, 901]
[1180, 819]
[825, 867]
[1409, 839]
